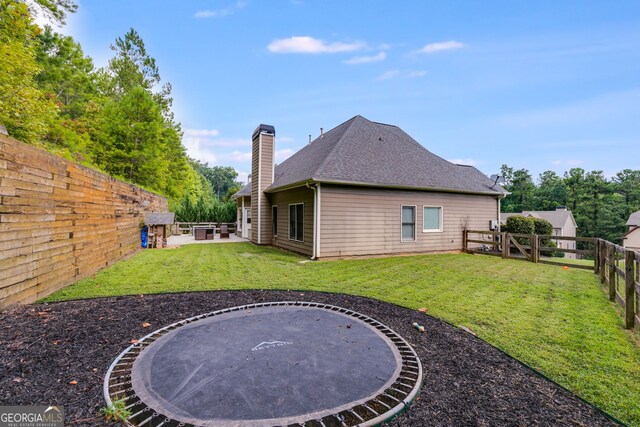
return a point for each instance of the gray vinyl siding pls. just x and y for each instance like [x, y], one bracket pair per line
[283, 199]
[261, 179]
[365, 221]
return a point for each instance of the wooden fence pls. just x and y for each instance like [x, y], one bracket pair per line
[619, 270]
[531, 247]
[618, 267]
[61, 222]
[187, 227]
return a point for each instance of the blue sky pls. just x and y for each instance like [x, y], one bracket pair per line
[537, 85]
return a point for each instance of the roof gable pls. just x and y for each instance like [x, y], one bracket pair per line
[634, 219]
[363, 152]
[159, 218]
[557, 218]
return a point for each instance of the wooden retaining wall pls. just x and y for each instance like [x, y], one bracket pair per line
[61, 222]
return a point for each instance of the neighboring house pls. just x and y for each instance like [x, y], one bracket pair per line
[631, 239]
[362, 188]
[562, 220]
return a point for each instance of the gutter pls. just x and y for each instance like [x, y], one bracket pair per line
[390, 186]
[316, 198]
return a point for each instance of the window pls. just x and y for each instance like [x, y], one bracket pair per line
[432, 219]
[274, 220]
[408, 223]
[296, 222]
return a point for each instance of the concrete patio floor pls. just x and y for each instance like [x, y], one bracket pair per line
[187, 239]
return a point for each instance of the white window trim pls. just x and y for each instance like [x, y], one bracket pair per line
[289, 221]
[277, 219]
[415, 223]
[441, 219]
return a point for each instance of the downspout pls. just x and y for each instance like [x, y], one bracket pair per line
[315, 218]
[499, 199]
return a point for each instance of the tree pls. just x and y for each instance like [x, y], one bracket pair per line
[24, 109]
[54, 9]
[223, 179]
[551, 191]
[132, 137]
[627, 184]
[520, 184]
[66, 74]
[132, 66]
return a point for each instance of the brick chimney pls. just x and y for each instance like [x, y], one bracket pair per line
[262, 156]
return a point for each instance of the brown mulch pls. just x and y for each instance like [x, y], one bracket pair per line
[467, 382]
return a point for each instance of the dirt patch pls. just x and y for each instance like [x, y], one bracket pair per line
[44, 348]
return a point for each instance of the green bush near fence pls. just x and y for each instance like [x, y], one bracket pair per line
[519, 224]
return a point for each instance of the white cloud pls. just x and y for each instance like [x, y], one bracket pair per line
[468, 162]
[229, 142]
[201, 132]
[306, 44]
[282, 155]
[197, 151]
[401, 74]
[239, 156]
[441, 46]
[217, 13]
[243, 176]
[366, 59]
[389, 74]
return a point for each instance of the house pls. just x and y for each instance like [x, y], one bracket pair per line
[631, 239]
[362, 188]
[562, 220]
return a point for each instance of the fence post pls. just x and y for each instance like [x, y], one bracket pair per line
[629, 288]
[465, 244]
[602, 255]
[596, 255]
[611, 252]
[535, 248]
[506, 242]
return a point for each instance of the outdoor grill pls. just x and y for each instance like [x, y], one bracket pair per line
[268, 364]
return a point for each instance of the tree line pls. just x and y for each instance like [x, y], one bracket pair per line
[600, 205]
[117, 118]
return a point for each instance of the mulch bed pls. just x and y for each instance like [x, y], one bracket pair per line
[467, 382]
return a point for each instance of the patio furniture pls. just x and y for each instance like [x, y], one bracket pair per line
[204, 232]
[224, 231]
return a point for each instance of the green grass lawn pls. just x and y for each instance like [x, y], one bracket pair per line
[557, 321]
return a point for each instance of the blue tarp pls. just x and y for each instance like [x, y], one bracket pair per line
[144, 236]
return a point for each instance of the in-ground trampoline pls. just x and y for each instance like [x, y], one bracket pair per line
[269, 364]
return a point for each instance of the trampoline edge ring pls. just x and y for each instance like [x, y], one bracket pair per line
[118, 381]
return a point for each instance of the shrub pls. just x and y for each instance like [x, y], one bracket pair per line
[542, 226]
[203, 211]
[519, 224]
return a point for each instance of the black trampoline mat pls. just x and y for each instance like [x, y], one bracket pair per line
[273, 365]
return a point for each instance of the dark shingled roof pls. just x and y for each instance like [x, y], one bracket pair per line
[363, 152]
[159, 218]
[244, 191]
